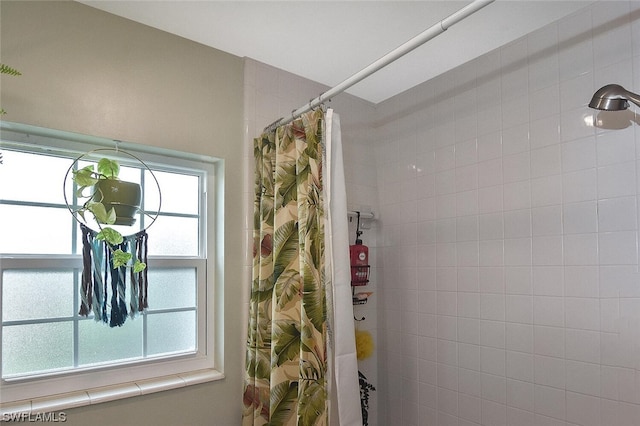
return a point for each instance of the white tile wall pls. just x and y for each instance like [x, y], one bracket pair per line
[524, 217]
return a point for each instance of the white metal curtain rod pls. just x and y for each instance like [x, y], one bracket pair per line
[400, 51]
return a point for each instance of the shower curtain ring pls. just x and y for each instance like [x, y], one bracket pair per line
[315, 99]
[320, 103]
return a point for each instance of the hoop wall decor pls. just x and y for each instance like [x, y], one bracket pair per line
[109, 257]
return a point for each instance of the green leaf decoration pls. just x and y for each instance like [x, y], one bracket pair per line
[288, 287]
[259, 296]
[287, 183]
[285, 243]
[312, 150]
[303, 167]
[267, 177]
[84, 177]
[284, 138]
[311, 372]
[313, 297]
[121, 258]
[111, 217]
[307, 337]
[286, 339]
[264, 326]
[101, 214]
[267, 210]
[312, 401]
[80, 192]
[111, 236]
[259, 363]
[283, 402]
[108, 168]
[139, 266]
[6, 69]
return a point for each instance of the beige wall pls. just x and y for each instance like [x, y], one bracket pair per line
[90, 72]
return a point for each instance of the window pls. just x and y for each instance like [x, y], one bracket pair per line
[45, 343]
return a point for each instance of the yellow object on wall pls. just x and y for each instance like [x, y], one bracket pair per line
[364, 344]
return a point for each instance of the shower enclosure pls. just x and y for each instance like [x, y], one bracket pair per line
[504, 250]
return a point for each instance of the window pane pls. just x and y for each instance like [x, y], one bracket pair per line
[130, 174]
[171, 332]
[36, 294]
[172, 288]
[100, 343]
[35, 230]
[40, 329]
[32, 177]
[180, 193]
[177, 236]
[36, 347]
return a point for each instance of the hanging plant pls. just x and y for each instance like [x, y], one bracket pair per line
[104, 194]
[5, 69]
[111, 262]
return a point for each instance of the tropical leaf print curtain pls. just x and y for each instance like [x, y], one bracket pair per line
[286, 360]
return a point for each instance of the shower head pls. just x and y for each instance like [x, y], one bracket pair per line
[613, 97]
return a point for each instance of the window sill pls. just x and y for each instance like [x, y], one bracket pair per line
[110, 393]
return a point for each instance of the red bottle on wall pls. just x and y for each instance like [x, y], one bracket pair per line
[359, 254]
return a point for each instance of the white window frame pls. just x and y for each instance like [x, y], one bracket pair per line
[86, 386]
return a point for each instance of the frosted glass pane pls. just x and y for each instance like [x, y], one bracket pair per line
[179, 192]
[19, 182]
[177, 236]
[35, 230]
[36, 294]
[172, 288]
[171, 332]
[36, 347]
[100, 343]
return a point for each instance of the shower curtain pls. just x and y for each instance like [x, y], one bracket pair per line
[301, 366]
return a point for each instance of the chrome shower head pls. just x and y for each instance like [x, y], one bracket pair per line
[613, 97]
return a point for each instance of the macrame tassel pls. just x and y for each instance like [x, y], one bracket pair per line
[86, 292]
[142, 240]
[99, 291]
[99, 277]
[106, 268]
[118, 305]
[138, 297]
[133, 298]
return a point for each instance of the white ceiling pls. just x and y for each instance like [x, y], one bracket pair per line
[328, 41]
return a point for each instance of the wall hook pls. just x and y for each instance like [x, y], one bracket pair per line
[361, 319]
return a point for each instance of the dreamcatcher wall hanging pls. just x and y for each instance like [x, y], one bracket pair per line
[114, 259]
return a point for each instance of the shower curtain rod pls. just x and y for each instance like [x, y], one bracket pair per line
[390, 57]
